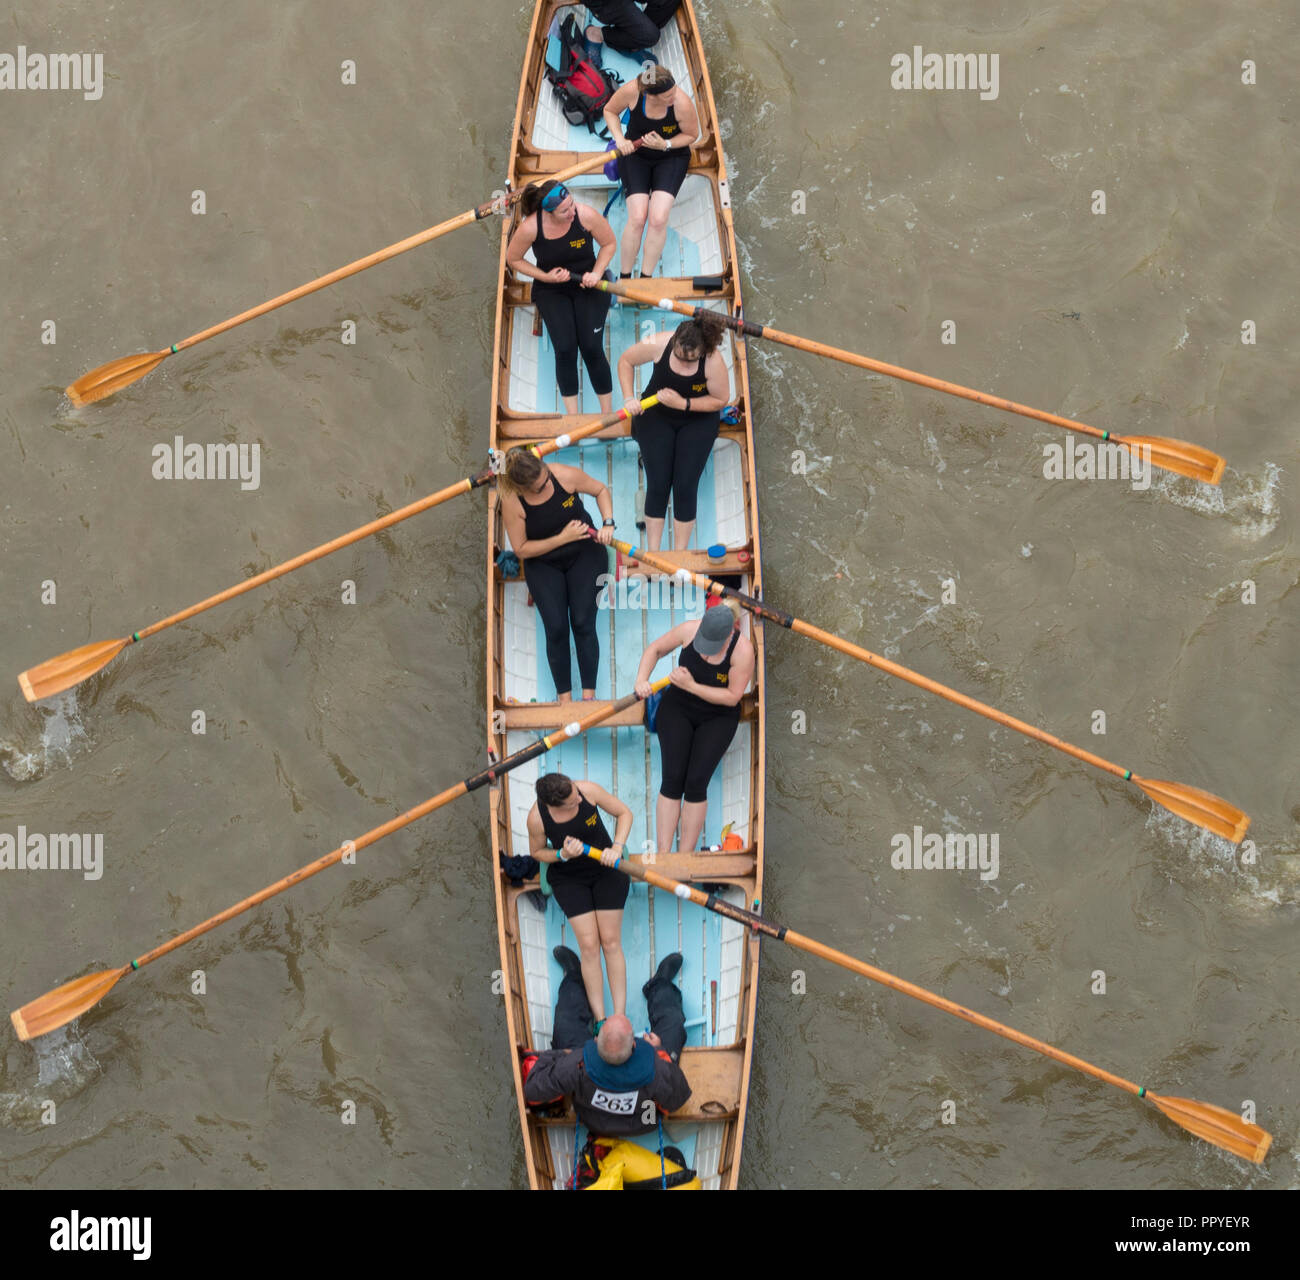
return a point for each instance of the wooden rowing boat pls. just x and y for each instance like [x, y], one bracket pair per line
[623, 757]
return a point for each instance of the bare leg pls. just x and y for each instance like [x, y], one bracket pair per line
[666, 815]
[682, 533]
[587, 933]
[570, 404]
[610, 926]
[637, 209]
[588, 695]
[692, 824]
[564, 697]
[661, 204]
[606, 402]
[654, 532]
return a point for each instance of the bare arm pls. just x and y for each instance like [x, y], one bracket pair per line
[688, 118]
[614, 108]
[638, 354]
[603, 234]
[537, 845]
[670, 640]
[612, 805]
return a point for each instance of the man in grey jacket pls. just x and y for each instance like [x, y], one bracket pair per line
[619, 1083]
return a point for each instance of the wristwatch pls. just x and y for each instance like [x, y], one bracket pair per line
[609, 524]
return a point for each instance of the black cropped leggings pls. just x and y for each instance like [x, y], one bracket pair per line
[576, 323]
[692, 743]
[565, 595]
[675, 457]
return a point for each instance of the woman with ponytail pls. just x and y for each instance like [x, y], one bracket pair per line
[677, 435]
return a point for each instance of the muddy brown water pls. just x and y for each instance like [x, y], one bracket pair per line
[869, 216]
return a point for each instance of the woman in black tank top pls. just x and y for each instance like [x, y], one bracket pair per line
[697, 716]
[564, 237]
[663, 118]
[563, 556]
[591, 894]
[676, 436]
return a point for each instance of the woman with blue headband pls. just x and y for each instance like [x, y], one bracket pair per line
[563, 235]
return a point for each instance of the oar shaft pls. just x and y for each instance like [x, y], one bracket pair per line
[472, 783]
[751, 330]
[873, 659]
[303, 873]
[467, 485]
[383, 255]
[718, 905]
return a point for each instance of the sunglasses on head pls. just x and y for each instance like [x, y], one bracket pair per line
[554, 198]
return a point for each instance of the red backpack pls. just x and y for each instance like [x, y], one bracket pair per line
[582, 88]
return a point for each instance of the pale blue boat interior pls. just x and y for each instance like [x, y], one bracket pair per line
[626, 760]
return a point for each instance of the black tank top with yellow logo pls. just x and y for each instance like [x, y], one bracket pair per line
[574, 250]
[544, 520]
[586, 826]
[716, 675]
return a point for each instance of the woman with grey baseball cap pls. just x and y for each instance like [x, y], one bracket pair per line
[697, 717]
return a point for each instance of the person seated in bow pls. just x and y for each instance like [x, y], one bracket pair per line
[697, 716]
[664, 118]
[626, 28]
[619, 1083]
[562, 554]
[676, 436]
[563, 235]
[590, 893]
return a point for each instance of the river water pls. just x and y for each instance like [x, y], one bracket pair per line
[877, 218]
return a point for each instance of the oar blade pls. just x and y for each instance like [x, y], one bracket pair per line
[113, 376]
[59, 1007]
[1180, 456]
[1217, 1125]
[70, 668]
[1199, 807]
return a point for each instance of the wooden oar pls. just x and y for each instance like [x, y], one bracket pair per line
[1216, 1125]
[111, 377]
[63, 1004]
[68, 669]
[1190, 803]
[1172, 455]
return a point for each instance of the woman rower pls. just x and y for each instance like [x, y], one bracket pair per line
[697, 716]
[565, 817]
[562, 235]
[664, 118]
[549, 530]
[677, 435]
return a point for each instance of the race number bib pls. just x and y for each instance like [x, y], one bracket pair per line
[617, 1104]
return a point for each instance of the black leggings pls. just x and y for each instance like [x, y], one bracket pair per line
[565, 593]
[627, 28]
[692, 742]
[576, 322]
[675, 458]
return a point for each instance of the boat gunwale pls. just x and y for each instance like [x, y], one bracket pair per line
[709, 161]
